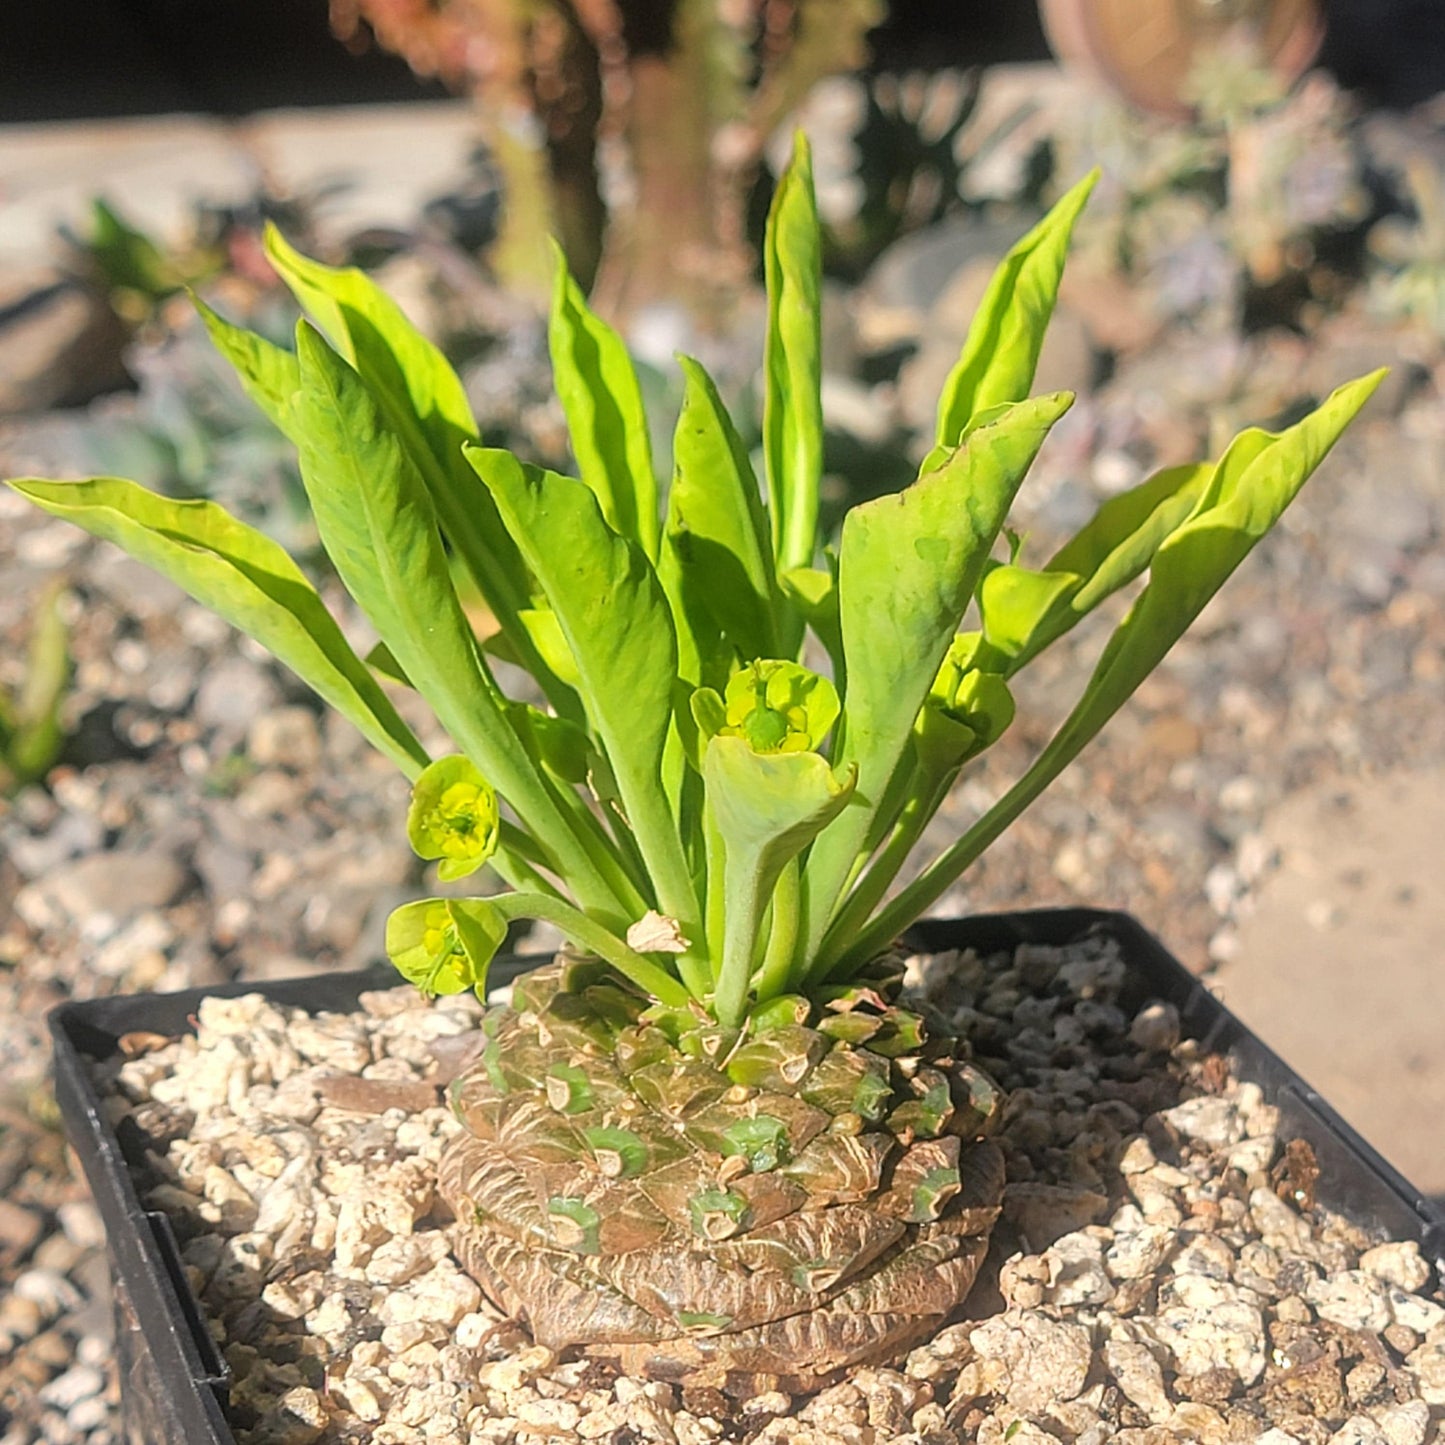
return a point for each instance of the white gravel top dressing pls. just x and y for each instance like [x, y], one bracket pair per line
[1160, 1273]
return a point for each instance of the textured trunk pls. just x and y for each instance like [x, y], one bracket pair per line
[666, 248]
[747, 1213]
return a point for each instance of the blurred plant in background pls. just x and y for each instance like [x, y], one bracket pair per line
[139, 274]
[192, 431]
[630, 129]
[188, 427]
[136, 273]
[888, 156]
[1409, 254]
[1236, 204]
[31, 733]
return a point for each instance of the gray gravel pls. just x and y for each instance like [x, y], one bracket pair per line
[1158, 1268]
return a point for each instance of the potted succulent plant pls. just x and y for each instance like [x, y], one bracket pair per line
[706, 1140]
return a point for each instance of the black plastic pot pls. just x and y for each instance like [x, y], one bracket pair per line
[174, 1383]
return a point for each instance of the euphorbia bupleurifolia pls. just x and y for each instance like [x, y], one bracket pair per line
[715, 1150]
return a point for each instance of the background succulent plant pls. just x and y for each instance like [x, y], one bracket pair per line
[32, 734]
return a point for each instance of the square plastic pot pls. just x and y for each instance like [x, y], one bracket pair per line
[174, 1382]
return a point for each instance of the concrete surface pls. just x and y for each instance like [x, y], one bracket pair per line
[1341, 968]
[368, 165]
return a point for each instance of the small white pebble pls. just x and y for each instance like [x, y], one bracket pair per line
[78, 1383]
[87, 1415]
[550, 1417]
[1397, 1263]
[1155, 1028]
[1352, 1299]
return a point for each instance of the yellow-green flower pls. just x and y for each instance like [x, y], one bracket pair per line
[453, 817]
[444, 945]
[425, 947]
[779, 707]
[967, 709]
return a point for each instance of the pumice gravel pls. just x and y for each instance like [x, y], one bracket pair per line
[1159, 1274]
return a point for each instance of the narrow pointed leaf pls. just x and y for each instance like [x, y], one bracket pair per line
[427, 408]
[792, 398]
[407, 371]
[245, 578]
[1023, 610]
[1187, 570]
[908, 567]
[717, 563]
[268, 373]
[1001, 352]
[597, 385]
[612, 613]
[378, 525]
[767, 807]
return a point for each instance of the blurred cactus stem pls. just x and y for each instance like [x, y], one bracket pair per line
[685, 93]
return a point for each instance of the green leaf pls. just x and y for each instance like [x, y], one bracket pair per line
[614, 617]
[411, 377]
[551, 645]
[908, 566]
[767, 808]
[1250, 488]
[453, 817]
[1015, 604]
[562, 747]
[245, 578]
[717, 564]
[268, 373]
[445, 945]
[428, 411]
[792, 366]
[1001, 351]
[1024, 611]
[377, 523]
[415, 383]
[813, 592]
[597, 386]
